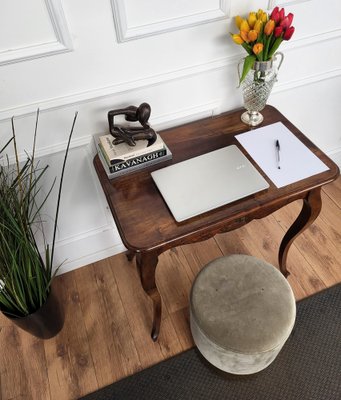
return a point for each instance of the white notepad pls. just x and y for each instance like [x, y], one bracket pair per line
[211, 180]
[297, 162]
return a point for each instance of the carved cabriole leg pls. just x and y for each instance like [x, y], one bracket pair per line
[146, 264]
[312, 204]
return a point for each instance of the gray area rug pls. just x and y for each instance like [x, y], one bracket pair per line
[307, 368]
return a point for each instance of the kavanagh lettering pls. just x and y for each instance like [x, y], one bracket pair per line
[138, 160]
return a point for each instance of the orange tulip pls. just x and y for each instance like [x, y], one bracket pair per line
[252, 35]
[244, 35]
[257, 48]
[269, 27]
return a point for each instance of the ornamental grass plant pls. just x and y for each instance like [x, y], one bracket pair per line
[25, 273]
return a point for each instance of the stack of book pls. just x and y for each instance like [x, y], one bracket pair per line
[120, 159]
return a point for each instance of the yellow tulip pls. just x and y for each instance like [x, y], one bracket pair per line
[244, 36]
[269, 27]
[262, 15]
[258, 25]
[257, 48]
[252, 19]
[252, 35]
[244, 26]
[238, 20]
[237, 39]
[260, 12]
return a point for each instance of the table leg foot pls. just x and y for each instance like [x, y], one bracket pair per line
[312, 204]
[146, 264]
[156, 314]
[130, 255]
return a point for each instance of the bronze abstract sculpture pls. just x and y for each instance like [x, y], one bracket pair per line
[130, 134]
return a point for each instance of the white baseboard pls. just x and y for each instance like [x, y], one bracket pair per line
[335, 155]
[92, 248]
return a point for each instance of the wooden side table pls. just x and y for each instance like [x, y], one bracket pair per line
[147, 227]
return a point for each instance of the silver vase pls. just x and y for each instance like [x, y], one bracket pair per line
[257, 86]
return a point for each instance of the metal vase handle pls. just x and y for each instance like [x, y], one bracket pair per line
[274, 58]
[281, 55]
[238, 68]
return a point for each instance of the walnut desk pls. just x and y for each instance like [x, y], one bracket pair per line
[147, 227]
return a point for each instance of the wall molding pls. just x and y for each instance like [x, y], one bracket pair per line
[186, 72]
[125, 32]
[282, 87]
[273, 3]
[99, 245]
[161, 122]
[62, 44]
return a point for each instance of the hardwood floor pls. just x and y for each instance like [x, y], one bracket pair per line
[108, 316]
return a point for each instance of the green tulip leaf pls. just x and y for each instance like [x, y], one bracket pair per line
[248, 63]
[247, 47]
[274, 47]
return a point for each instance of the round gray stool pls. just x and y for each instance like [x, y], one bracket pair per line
[242, 311]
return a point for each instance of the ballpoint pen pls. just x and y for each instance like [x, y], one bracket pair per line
[277, 154]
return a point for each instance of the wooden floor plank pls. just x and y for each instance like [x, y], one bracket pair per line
[106, 323]
[34, 361]
[173, 280]
[69, 362]
[261, 239]
[333, 190]
[200, 254]
[180, 320]
[238, 242]
[138, 307]
[303, 279]
[108, 315]
[321, 253]
[331, 215]
[14, 377]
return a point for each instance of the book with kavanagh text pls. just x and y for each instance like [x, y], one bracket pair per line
[117, 153]
[134, 164]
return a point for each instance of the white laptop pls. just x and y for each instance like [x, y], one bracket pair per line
[211, 180]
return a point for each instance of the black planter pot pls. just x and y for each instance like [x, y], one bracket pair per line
[45, 322]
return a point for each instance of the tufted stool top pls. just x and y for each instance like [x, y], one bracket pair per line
[243, 304]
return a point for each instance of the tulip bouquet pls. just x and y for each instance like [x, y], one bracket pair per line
[261, 34]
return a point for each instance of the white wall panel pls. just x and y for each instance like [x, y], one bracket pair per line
[22, 38]
[134, 19]
[185, 74]
[310, 116]
[284, 3]
[18, 24]
[244, 7]
[85, 224]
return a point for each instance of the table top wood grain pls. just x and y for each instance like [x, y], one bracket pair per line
[141, 214]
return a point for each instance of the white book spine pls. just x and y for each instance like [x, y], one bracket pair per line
[124, 152]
